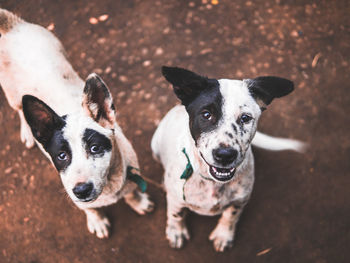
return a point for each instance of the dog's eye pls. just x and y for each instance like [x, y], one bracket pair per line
[62, 156]
[245, 118]
[95, 148]
[206, 115]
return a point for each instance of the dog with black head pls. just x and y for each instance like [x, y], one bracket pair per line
[204, 146]
[73, 122]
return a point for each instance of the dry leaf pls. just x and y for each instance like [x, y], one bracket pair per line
[265, 251]
[315, 60]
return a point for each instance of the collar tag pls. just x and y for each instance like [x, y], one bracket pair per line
[189, 169]
[186, 173]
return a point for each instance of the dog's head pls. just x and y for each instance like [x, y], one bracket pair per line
[82, 144]
[223, 114]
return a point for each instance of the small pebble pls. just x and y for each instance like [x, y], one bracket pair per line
[51, 27]
[103, 17]
[294, 33]
[146, 63]
[159, 51]
[123, 78]
[93, 20]
[108, 70]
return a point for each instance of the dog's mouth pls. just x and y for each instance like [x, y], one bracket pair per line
[222, 174]
[86, 200]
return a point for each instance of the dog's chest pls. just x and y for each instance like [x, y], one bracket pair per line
[208, 198]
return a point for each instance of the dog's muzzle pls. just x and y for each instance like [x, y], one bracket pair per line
[84, 191]
[220, 174]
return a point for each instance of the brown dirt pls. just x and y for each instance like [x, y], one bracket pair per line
[299, 208]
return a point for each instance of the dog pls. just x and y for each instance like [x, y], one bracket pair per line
[204, 146]
[75, 127]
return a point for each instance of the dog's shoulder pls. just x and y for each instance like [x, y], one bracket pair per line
[171, 135]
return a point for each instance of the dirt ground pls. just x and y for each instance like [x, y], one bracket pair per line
[299, 210]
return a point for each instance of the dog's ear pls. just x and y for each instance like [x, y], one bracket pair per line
[98, 101]
[265, 89]
[187, 84]
[42, 120]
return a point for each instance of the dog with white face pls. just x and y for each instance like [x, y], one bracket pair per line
[204, 146]
[75, 127]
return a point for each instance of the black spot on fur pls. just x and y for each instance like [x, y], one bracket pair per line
[234, 128]
[96, 144]
[208, 100]
[215, 208]
[229, 135]
[56, 146]
[240, 149]
[222, 189]
[179, 214]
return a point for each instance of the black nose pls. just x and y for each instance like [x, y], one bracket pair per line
[225, 155]
[83, 190]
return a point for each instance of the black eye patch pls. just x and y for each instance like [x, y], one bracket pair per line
[59, 150]
[209, 101]
[96, 144]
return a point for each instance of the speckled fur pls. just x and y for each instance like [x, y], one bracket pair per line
[33, 62]
[202, 193]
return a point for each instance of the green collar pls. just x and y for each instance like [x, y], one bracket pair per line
[186, 173]
[189, 169]
[136, 178]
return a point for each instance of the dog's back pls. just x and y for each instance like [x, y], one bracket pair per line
[32, 62]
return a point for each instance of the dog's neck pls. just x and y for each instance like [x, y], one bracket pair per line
[116, 176]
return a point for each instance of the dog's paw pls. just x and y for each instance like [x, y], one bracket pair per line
[140, 202]
[27, 137]
[177, 235]
[99, 226]
[222, 238]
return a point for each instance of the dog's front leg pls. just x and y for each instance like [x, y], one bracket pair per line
[224, 232]
[176, 230]
[26, 133]
[97, 223]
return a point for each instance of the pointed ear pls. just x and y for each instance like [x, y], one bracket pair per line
[42, 120]
[98, 101]
[187, 84]
[265, 89]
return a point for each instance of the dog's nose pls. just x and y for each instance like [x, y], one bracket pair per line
[225, 155]
[83, 190]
